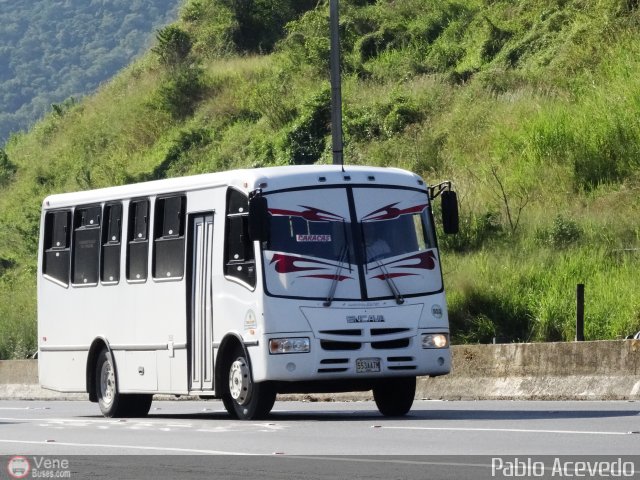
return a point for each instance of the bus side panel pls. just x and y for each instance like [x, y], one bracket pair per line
[137, 371]
[63, 371]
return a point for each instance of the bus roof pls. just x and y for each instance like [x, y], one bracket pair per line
[268, 179]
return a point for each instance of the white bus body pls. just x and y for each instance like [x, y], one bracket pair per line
[156, 288]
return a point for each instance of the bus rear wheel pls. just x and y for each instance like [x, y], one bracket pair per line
[114, 404]
[243, 398]
[394, 396]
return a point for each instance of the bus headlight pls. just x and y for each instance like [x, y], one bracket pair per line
[435, 340]
[289, 345]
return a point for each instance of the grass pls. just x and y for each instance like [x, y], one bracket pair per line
[530, 108]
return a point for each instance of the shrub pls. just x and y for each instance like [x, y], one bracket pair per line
[372, 44]
[563, 233]
[362, 124]
[175, 161]
[174, 45]
[179, 93]
[402, 113]
[261, 23]
[7, 169]
[496, 39]
[305, 141]
[476, 230]
[192, 11]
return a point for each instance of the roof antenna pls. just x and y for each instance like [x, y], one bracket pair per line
[336, 92]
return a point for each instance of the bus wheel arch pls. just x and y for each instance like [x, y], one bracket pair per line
[102, 385]
[242, 398]
[96, 347]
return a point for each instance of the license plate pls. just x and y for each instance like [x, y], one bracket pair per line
[367, 365]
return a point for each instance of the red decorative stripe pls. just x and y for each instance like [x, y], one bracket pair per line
[390, 212]
[426, 261]
[382, 276]
[287, 263]
[311, 213]
[340, 278]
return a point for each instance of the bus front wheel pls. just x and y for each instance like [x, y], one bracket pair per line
[114, 404]
[394, 396]
[243, 398]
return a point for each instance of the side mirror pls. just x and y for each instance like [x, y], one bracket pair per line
[258, 219]
[450, 219]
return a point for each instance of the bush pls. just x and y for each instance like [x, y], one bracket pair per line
[261, 23]
[176, 160]
[174, 45]
[402, 113]
[179, 93]
[305, 141]
[476, 231]
[563, 233]
[7, 169]
[480, 315]
[371, 45]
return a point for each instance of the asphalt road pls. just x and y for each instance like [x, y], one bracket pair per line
[186, 439]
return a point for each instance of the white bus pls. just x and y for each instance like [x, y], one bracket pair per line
[240, 285]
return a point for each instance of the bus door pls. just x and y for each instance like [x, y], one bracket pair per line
[201, 318]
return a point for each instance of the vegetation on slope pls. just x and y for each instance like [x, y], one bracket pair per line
[531, 108]
[51, 50]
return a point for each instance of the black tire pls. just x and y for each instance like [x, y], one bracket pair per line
[114, 404]
[138, 404]
[394, 396]
[242, 398]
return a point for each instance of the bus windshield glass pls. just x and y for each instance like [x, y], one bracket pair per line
[357, 244]
[299, 236]
[404, 234]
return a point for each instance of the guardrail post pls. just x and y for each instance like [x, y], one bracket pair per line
[580, 313]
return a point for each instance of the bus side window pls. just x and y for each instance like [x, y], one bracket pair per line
[86, 245]
[168, 235]
[138, 240]
[55, 261]
[239, 257]
[111, 242]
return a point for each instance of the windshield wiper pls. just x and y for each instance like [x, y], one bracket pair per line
[385, 273]
[334, 282]
[392, 285]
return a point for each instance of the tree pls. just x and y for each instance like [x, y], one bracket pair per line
[174, 45]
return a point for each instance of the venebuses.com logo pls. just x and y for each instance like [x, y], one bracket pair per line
[38, 467]
[18, 467]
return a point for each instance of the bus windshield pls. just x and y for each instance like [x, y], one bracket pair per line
[363, 241]
[404, 234]
[298, 236]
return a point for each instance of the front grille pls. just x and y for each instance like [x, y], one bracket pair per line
[332, 370]
[333, 361]
[352, 332]
[331, 345]
[388, 331]
[400, 359]
[390, 344]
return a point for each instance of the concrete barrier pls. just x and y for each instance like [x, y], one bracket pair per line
[603, 370]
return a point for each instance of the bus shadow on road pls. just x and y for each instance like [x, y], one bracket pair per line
[521, 414]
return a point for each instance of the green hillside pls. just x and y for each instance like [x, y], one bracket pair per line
[51, 50]
[532, 108]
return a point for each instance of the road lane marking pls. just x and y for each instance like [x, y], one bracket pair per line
[514, 430]
[385, 460]
[24, 408]
[127, 447]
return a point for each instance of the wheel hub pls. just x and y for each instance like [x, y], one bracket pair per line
[240, 381]
[107, 383]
